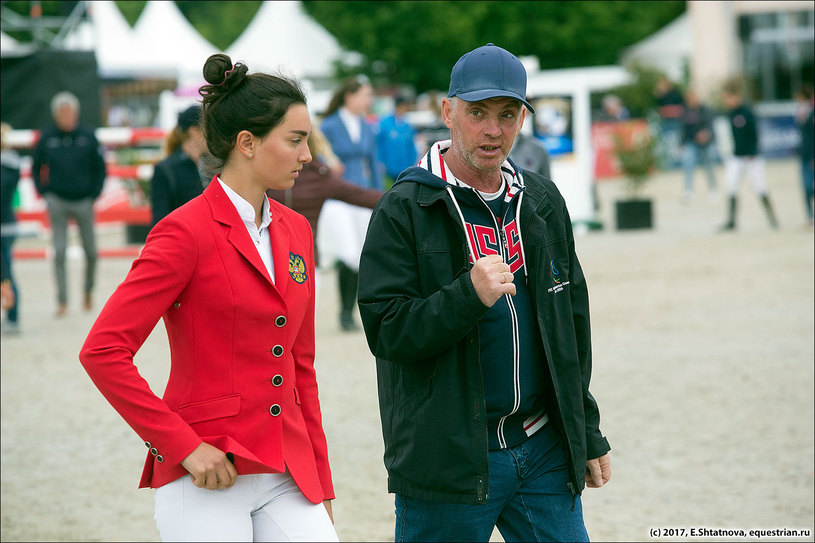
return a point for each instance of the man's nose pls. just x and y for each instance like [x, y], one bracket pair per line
[492, 127]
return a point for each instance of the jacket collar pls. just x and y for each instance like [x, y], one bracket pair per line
[224, 212]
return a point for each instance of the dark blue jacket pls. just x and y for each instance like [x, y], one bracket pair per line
[69, 164]
[394, 141]
[744, 127]
[10, 165]
[360, 159]
[175, 182]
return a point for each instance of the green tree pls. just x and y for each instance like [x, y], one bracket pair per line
[418, 42]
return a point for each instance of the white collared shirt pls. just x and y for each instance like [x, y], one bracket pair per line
[353, 124]
[260, 236]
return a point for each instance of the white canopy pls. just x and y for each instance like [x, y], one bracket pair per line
[168, 41]
[282, 36]
[165, 44]
[162, 44]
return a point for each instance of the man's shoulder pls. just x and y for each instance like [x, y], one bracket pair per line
[539, 186]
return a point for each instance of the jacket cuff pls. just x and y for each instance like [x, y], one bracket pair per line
[472, 303]
[597, 448]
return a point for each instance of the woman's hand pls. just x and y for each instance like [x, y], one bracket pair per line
[210, 468]
[327, 504]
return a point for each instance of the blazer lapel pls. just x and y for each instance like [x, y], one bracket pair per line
[225, 213]
[279, 237]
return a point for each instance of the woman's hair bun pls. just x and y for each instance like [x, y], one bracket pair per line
[222, 75]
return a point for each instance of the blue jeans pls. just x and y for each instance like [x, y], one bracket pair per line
[528, 500]
[691, 156]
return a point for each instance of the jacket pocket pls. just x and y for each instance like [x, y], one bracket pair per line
[217, 408]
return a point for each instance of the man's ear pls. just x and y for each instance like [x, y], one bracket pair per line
[447, 112]
[523, 119]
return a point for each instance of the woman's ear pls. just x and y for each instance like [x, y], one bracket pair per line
[245, 143]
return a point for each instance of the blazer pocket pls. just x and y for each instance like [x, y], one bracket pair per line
[225, 406]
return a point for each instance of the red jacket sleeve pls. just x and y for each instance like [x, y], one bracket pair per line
[154, 282]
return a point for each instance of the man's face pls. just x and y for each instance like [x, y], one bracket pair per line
[66, 118]
[483, 132]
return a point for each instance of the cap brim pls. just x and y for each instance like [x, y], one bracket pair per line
[484, 94]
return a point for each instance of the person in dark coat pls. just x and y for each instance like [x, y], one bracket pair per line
[176, 179]
[805, 121]
[476, 308]
[746, 156]
[69, 172]
[9, 177]
[697, 143]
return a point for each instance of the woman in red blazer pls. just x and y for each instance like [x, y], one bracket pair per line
[236, 444]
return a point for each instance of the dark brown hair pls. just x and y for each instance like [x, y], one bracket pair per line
[349, 86]
[234, 101]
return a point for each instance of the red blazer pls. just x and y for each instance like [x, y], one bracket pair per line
[242, 347]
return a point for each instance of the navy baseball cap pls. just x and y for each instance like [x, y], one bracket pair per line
[489, 72]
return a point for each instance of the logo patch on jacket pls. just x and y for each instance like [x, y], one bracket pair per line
[556, 279]
[486, 241]
[297, 268]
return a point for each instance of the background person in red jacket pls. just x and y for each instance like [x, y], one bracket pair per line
[236, 446]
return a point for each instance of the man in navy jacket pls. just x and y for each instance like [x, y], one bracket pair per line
[69, 171]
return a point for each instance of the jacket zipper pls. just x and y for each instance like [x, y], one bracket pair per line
[516, 363]
[481, 492]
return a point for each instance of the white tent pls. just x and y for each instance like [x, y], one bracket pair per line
[282, 36]
[668, 49]
[110, 36]
[162, 44]
[168, 41]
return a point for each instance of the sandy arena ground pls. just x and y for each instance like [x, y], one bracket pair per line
[703, 370]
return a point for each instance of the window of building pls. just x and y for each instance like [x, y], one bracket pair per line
[778, 53]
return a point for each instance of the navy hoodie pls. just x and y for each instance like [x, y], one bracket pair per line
[512, 359]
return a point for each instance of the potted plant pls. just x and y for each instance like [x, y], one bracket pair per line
[637, 158]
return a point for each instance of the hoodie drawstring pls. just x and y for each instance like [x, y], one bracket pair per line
[463, 223]
[521, 237]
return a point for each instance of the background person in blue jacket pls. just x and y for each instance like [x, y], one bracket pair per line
[353, 140]
[395, 141]
[476, 308]
[69, 172]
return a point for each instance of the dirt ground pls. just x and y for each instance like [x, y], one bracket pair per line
[703, 370]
